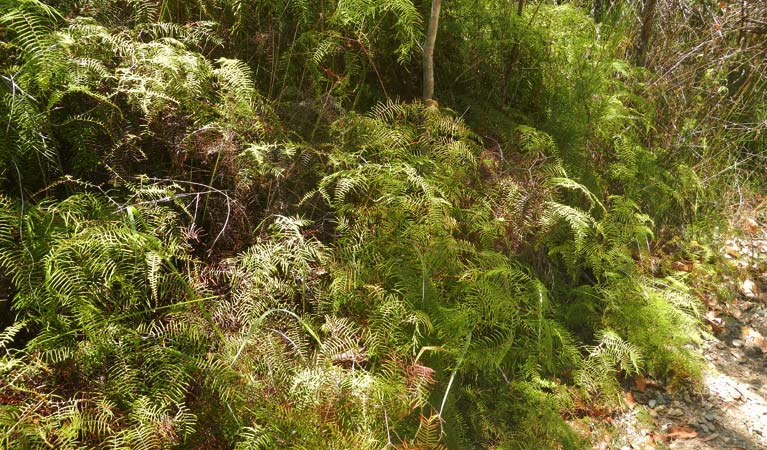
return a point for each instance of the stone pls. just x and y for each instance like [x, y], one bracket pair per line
[737, 343]
[675, 412]
[652, 403]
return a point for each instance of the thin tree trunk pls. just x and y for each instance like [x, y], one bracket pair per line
[648, 17]
[428, 52]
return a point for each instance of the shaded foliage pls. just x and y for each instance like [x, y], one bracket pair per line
[222, 231]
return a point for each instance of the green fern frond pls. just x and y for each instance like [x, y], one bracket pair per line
[31, 22]
[579, 222]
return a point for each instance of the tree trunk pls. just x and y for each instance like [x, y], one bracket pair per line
[648, 17]
[428, 52]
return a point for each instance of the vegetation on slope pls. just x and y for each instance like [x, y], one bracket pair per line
[231, 224]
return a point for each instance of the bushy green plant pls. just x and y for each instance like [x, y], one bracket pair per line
[221, 231]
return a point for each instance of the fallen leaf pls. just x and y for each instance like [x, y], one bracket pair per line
[681, 267]
[753, 338]
[748, 288]
[716, 323]
[656, 436]
[750, 225]
[682, 432]
[732, 250]
[630, 400]
[640, 383]
[710, 300]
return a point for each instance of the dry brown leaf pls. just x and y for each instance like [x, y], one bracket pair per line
[716, 323]
[656, 436]
[732, 250]
[630, 402]
[681, 432]
[681, 266]
[753, 338]
[640, 383]
[750, 225]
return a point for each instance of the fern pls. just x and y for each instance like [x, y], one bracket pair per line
[597, 376]
[357, 13]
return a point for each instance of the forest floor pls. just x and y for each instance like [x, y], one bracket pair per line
[729, 410]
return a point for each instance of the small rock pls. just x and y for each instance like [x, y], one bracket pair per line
[710, 417]
[652, 403]
[704, 428]
[737, 343]
[675, 412]
[687, 398]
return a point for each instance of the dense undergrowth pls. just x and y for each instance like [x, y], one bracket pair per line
[229, 224]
